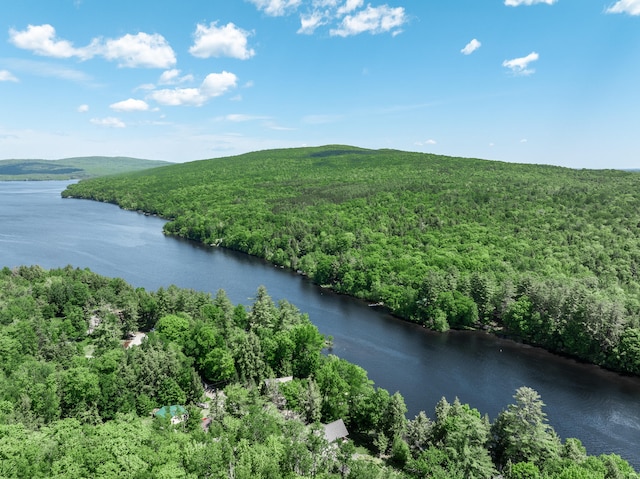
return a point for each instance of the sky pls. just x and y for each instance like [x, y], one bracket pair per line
[526, 81]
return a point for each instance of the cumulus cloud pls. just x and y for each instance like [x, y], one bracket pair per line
[41, 40]
[6, 75]
[520, 66]
[215, 84]
[471, 47]
[130, 105]
[632, 7]
[276, 8]
[171, 77]
[516, 3]
[109, 121]
[83, 108]
[226, 41]
[139, 50]
[373, 20]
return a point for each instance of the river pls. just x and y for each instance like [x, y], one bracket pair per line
[600, 408]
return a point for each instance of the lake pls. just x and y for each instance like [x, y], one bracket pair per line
[599, 407]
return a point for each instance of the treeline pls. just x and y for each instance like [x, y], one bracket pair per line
[75, 403]
[545, 254]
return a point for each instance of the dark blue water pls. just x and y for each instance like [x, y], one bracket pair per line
[599, 407]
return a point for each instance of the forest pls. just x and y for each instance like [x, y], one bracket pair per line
[77, 399]
[545, 255]
[72, 168]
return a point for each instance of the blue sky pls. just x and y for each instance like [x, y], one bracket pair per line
[529, 81]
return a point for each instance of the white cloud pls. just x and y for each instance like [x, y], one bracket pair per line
[226, 41]
[426, 143]
[83, 108]
[109, 121]
[140, 50]
[47, 70]
[6, 75]
[632, 7]
[215, 84]
[130, 105]
[471, 47]
[239, 117]
[41, 39]
[516, 3]
[373, 20]
[276, 8]
[520, 66]
[171, 77]
[349, 6]
[309, 22]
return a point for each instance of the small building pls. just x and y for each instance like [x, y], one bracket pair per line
[176, 413]
[335, 430]
[275, 381]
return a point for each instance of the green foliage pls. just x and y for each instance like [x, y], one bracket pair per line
[79, 405]
[547, 254]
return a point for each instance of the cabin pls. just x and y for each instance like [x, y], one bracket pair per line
[335, 430]
[176, 413]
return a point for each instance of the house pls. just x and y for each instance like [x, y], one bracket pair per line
[335, 430]
[176, 414]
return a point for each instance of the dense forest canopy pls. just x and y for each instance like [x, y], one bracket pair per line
[77, 400]
[546, 254]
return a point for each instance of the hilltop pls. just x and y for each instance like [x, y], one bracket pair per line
[72, 168]
[545, 254]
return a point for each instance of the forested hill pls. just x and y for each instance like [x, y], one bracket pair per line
[547, 254]
[72, 168]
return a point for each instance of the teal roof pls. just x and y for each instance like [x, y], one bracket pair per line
[170, 411]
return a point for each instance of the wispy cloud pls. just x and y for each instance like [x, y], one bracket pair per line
[110, 122]
[6, 75]
[520, 66]
[82, 108]
[471, 47]
[47, 70]
[347, 17]
[632, 7]
[226, 41]
[517, 3]
[133, 51]
[277, 8]
[240, 117]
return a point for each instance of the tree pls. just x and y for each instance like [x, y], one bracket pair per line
[521, 432]
[463, 434]
[218, 366]
[418, 433]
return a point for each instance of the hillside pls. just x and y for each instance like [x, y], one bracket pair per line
[72, 168]
[546, 254]
[78, 399]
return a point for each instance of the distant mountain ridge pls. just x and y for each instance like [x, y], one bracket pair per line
[73, 168]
